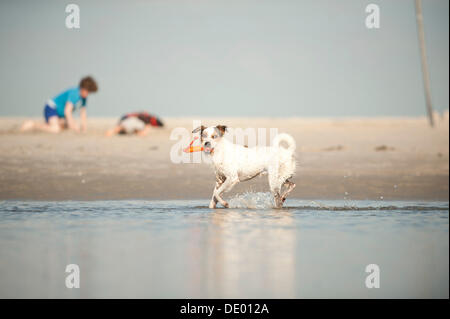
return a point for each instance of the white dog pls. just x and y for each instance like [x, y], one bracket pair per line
[236, 163]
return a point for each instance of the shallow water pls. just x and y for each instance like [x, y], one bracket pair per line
[179, 249]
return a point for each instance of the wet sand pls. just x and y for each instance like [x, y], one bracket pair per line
[354, 158]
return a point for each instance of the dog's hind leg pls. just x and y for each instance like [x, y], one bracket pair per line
[276, 195]
[278, 201]
[275, 186]
[289, 187]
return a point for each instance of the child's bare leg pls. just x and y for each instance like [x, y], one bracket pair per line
[113, 131]
[27, 126]
[53, 125]
[145, 131]
[63, 124]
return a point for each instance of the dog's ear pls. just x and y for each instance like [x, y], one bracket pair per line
[199, 129]
[222, 129]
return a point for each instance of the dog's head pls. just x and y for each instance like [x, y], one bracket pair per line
[210, 136]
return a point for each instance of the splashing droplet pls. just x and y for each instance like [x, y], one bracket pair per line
[258, 200]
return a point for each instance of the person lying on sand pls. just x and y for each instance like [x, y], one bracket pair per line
[58, 112]
[138, 123]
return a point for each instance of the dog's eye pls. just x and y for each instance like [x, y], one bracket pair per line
[214, 136]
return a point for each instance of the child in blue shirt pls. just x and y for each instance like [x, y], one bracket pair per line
[58, 112]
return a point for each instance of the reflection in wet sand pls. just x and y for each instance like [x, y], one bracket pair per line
[175, 249]
[250, 253]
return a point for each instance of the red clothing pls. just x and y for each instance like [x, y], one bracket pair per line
[144, 117]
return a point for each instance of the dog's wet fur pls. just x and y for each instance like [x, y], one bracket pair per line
[235, 163]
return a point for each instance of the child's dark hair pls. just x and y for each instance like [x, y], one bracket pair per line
[89, 84]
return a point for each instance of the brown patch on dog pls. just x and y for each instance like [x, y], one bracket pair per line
[222, 129]
[199, 129]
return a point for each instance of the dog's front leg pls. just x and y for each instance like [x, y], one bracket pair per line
[213, 202]
[219, 182]
[225, 187]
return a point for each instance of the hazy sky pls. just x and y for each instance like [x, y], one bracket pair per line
[231, 58]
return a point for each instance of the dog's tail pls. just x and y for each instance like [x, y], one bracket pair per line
[283, 137]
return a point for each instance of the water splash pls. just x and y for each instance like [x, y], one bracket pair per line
[253, 200]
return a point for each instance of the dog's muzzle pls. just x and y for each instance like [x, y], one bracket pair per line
[207, 148]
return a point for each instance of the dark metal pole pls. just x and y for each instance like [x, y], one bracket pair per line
[425, 73]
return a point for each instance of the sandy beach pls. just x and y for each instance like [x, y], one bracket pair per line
[345, 158]
[138, 225]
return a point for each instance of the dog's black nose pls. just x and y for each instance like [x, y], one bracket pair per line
[207, 144]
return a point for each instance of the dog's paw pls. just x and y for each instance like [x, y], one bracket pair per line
[212, 205]
[225, 204]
